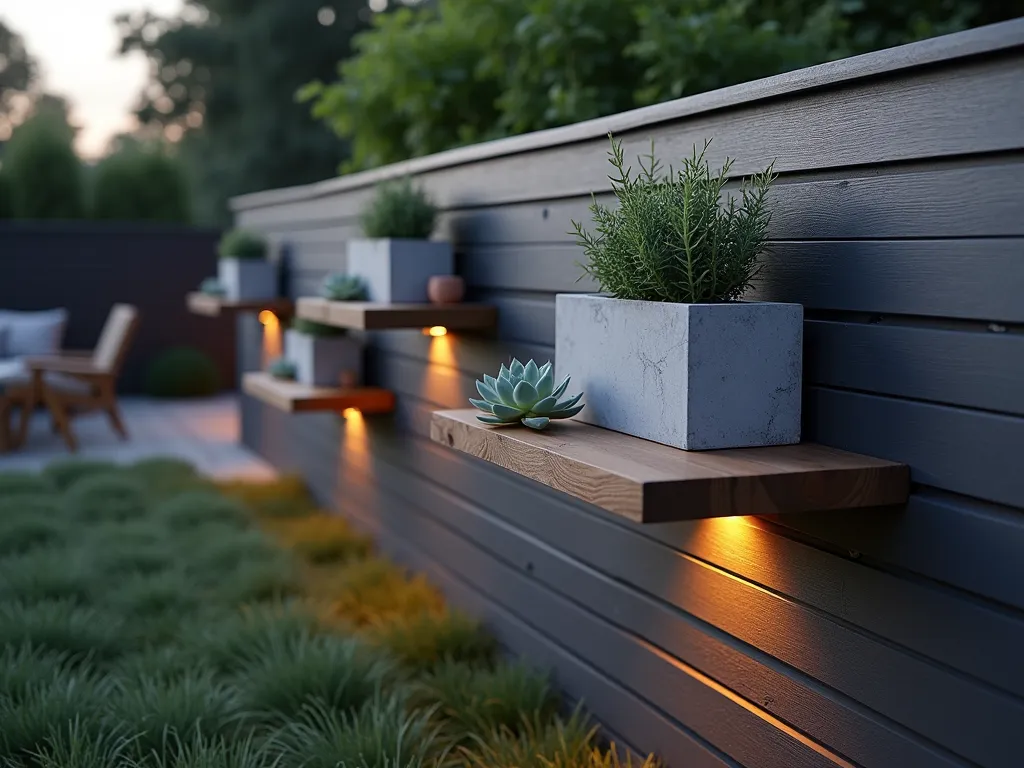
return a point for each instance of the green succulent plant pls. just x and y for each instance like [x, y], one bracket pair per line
[339, 287]
[525, 393]
[212, 286]
[282, 369]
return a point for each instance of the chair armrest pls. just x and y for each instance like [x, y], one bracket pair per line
[77, 366]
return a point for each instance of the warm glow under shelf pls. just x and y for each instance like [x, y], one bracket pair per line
[437, 319]
[293, 397]
[652, 483]
[213, 306]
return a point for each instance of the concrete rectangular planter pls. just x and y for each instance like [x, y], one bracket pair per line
[245, 279]
[693, 376]
[324, 361]
[396, 271]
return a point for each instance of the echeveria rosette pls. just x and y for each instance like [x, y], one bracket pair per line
[343, 288]
[525, 393]
[282, 369]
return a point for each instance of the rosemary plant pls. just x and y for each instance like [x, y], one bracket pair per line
[671, 238]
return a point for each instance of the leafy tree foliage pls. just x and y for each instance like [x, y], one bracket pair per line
[223, 79]
[17, 68]
[428, 78]
[43, 173]
[140, 182]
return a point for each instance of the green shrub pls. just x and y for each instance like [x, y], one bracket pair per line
[244, 638]
[107, 496]
[62, 626]
[367, 592]
[381, 734]
[479, 700]
[79, 743]
[669, 239]
[46, 574]
[242, 244]
[195, 509]
[189, 707]
[42, 169]
[20, 483]
[74, 699]
[399, 209]
[536, 743]
[140, 183]
[24, 668]
[146, 597]
[339, 673]
[64, 473]
[321, 539]
[216, 752]
[23, 533]
[182, 372]
[422, 641]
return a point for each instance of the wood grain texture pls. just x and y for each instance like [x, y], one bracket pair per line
[292, 397]
[311, 308]
[214, 306]
[651, 483]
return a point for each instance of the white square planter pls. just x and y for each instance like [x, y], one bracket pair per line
[693, 376]
[245, 279]
[396, 271]
[324, 361]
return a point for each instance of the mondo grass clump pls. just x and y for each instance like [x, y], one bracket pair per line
[151, 618]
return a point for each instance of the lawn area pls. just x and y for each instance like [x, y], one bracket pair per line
[149, 617]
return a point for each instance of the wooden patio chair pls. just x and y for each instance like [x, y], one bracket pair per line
[74, 383]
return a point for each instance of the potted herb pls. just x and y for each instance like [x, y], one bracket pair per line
[243, 270]
[324, 356]
[669, 352]
[397, 260]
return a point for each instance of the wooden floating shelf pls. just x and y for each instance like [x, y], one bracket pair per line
[292, 397]
[214, 306]
[652, 483]
[370, 316]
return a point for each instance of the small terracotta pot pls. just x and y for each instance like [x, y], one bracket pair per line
[446, 289]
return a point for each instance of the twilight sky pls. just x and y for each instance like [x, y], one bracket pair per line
[75, 43]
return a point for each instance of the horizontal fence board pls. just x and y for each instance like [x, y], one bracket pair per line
[977, 279]
[922, 114]
[954, 200]
[968, 452]
[952, 539]
[974, 369]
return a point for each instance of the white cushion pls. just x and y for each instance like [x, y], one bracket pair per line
[70, 385]
[12, 372]
[33, 333]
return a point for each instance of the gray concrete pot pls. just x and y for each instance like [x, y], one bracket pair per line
[324, 361]
[245, 279]
[396, 271]
[693, 376]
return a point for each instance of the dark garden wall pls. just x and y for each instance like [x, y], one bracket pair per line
[86, 267]
[885, 638]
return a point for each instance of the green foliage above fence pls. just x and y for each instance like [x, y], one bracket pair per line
[42, 172]
[139, 183]
[456, 72]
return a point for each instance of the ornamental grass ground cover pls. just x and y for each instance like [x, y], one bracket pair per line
[150, 617]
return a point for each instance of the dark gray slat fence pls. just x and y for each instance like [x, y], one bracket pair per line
[971, 637]
[86, 267]
[813, 712]
[361, 503]
[842, 617]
